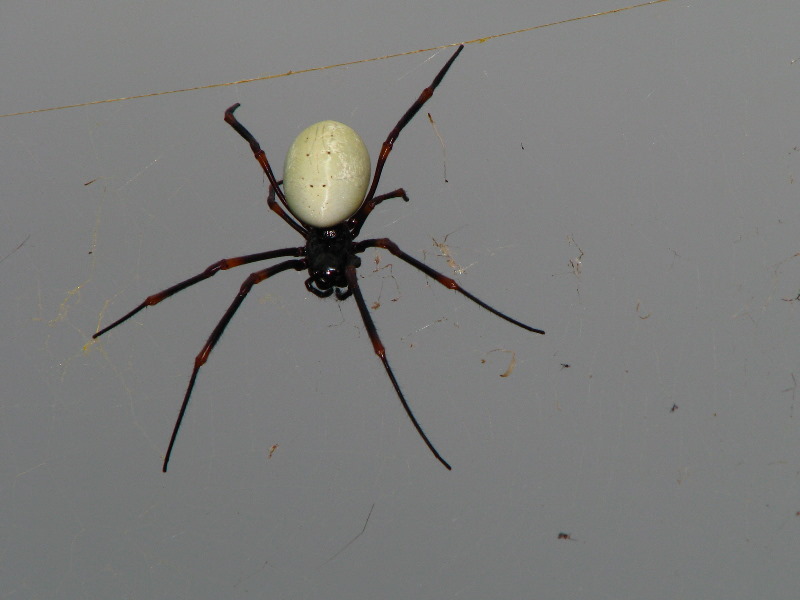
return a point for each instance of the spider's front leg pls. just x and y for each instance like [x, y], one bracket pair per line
[211, 270]
[377, 345]
[446, 281]
[202, 357]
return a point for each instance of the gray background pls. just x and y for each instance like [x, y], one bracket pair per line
[660, 143]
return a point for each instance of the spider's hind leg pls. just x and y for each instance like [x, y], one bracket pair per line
[261, 158]
[388, 144]
[357, 220]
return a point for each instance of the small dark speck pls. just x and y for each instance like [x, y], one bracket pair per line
[674, 408]
[20, 245]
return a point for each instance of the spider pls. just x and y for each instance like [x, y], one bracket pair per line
[326, 174]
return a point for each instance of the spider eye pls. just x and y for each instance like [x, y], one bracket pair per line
[326, 175]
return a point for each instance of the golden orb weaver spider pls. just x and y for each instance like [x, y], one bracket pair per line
[325, 178]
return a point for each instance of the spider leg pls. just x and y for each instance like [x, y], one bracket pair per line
[211, 270]
[398, 193]
[201, 358]
[352, 280]
[367, 207]
[261, 157]
[447, 282]
[271, 196]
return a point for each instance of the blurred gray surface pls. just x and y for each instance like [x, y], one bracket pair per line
[627, 183]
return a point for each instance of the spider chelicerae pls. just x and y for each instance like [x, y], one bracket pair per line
[326, 175]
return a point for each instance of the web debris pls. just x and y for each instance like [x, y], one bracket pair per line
[347, 545]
